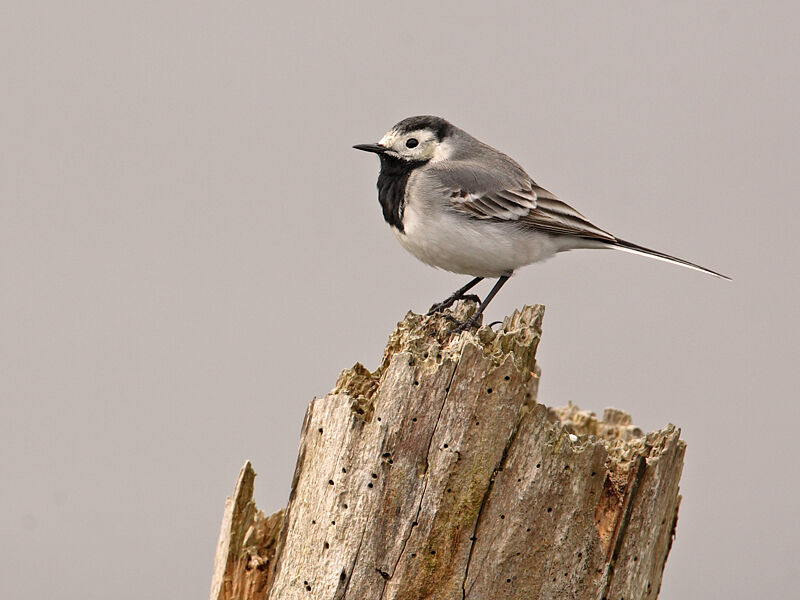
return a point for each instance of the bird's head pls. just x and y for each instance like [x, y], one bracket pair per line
[415, 140]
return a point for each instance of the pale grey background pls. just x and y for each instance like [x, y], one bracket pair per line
[191, 251]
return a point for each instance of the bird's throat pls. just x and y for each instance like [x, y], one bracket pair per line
[392, 182]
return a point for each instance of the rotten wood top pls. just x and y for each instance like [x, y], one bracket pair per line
[437, 475]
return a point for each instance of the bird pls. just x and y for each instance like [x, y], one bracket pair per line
[459, 204]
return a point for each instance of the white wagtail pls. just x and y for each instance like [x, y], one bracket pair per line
[459, 204]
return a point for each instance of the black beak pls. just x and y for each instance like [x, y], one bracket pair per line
[376, 148]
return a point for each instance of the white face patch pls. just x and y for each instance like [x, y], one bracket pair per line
[418, 145]
[443, 151]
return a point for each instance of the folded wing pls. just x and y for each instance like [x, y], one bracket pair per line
[510, 195]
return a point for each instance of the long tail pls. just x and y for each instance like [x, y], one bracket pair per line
[641, 250]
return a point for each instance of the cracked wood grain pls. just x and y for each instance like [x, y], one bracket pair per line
[247, 543]
[439, 476]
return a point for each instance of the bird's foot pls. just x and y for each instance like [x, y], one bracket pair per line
[449, 302]
[442, 332]
[464, 325]
[451, 319]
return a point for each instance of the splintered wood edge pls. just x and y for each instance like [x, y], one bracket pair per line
[628, 451]
[248, 540]
[246, 545]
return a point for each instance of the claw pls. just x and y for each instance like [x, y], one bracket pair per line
[449, 302]
[457, 295]
[462, 293]
[452, 319]
[468, 324]
[436, 308]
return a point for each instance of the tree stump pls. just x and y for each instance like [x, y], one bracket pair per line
[438, 476]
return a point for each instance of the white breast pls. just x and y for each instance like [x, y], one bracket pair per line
[443, 238]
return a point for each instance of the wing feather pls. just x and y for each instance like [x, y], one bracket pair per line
[556, 216]
[511, 196]
[493, 204]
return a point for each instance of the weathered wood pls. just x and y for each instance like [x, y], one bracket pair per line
[439, 476]
[246, 545]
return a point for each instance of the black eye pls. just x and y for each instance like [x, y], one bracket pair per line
[412, 143]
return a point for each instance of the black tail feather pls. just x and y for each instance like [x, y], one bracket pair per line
[641, 250]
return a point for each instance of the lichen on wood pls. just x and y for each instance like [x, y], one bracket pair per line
[439, 476]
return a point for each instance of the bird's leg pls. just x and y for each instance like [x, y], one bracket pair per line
[474, 318]
[457, 295]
